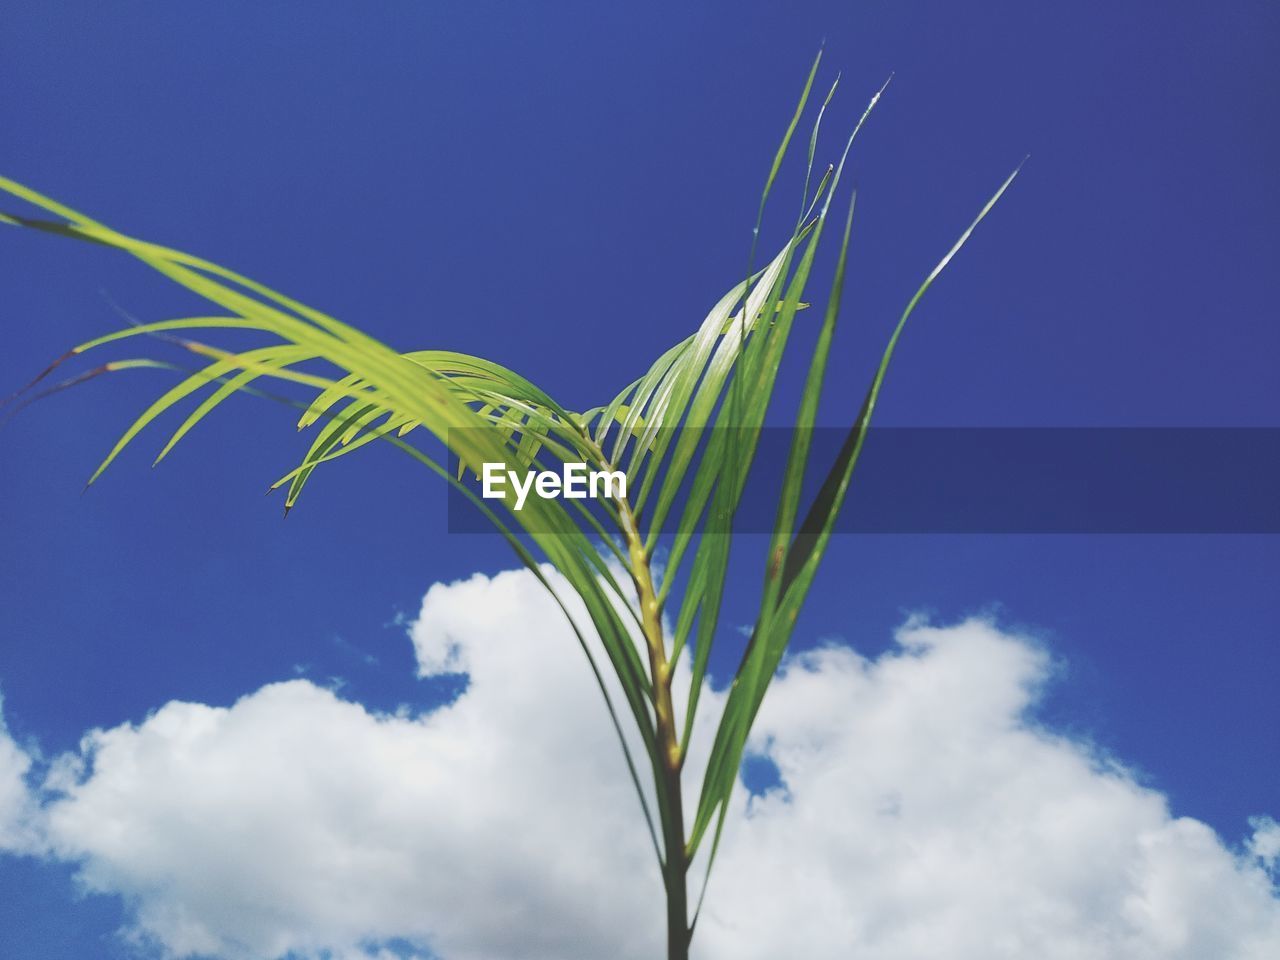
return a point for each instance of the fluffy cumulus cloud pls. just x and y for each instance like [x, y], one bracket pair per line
[920, 812]
[499, 826]
[16, 805]
[923, 815]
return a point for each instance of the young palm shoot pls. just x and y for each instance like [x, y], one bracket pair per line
[685, 435]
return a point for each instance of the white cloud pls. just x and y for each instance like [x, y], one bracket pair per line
[16, 805]
[922, 814]
[501, 826]
[1265, 844]
[925, 816]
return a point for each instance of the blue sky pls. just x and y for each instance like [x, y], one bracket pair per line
[566, 187]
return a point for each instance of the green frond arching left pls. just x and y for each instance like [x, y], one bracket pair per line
[428, 390]
[685, 432]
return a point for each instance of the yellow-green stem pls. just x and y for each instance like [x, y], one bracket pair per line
[671, 759]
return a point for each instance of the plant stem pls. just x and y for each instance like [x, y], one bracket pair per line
[671, 759]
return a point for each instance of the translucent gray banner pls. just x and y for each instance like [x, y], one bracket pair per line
[1000, 480]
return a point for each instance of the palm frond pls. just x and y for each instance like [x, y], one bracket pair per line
[686, 430]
